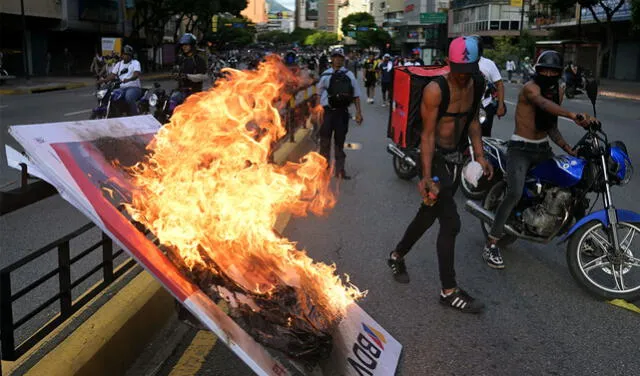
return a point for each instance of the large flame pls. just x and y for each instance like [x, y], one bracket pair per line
[208, 188]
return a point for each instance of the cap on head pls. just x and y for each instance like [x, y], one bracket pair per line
[337, 52]
[549, 59]
[387, 56]
[464, 54]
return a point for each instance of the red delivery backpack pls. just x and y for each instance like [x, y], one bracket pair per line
[405, 122]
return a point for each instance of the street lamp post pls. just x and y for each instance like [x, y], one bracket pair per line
[25, 53]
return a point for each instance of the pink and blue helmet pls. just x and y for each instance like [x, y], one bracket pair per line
[464, 54]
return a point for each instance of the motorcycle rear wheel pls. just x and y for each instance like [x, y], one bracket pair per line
[403, 169]
[491, 202]
[590, 262]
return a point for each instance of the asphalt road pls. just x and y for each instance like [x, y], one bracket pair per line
[538, 321]
[35, 226]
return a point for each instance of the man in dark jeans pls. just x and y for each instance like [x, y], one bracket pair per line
[537, 114]
[336, 120]
[386, 77]
[442, 138]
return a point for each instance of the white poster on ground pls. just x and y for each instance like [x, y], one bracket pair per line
[78, 158]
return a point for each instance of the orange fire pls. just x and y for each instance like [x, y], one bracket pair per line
[208, 188]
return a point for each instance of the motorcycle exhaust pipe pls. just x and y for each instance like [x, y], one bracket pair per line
[486, 216]
[394, 150]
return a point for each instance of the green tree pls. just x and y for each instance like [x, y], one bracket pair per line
[321, 39]
[503, 48]
[236, 31]
[367, 33]
[300, 34]
[276, 37]
[610, 7]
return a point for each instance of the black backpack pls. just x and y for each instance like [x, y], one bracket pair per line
[340, 90]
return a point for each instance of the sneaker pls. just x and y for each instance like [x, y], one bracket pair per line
[398, 269]
[492, 257]
[459, 299]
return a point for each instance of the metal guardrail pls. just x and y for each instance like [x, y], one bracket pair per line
[64, 296]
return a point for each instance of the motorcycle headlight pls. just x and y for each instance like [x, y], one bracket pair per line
[153, 100]
[482, 115]
[101, 93]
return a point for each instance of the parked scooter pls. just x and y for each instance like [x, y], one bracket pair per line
[554, 204]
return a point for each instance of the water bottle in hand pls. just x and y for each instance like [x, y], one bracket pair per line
[432, 197]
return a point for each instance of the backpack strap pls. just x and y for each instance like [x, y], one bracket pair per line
[478, 88]
[445, 95]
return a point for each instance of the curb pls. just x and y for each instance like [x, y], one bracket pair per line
[76, 85]
[109, 341]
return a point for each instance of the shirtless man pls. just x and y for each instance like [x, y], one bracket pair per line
[443, 131]
[536, 121]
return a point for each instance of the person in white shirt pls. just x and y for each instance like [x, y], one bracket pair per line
[128, 72]
[511, 67]
[494, 82]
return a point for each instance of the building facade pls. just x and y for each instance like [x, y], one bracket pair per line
[623, 62]
[306, 14]
[347, 8]
[486, 17]
[256, 11]
[53, 26]
[328, 14]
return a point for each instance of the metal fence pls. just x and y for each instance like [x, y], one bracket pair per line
[67, 306]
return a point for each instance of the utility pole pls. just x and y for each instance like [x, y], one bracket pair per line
[522, 18]
[25, 53]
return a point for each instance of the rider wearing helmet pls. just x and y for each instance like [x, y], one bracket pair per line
[127, 71]
[193, 68]
[449, 112]
[537, 114]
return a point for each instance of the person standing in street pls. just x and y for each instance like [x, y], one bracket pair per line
[370, 77]
[444, 135]
[527, 70]
[511, 67]
[338, 88]
[386, 77]
[537, 114]
[495, 89]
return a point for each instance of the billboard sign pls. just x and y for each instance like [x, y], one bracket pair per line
[311, 10]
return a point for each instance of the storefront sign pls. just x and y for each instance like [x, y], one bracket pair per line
[433, 18]
[311, 10]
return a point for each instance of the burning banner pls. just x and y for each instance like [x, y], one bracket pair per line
[203, 185]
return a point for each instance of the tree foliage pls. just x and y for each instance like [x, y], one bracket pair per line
[635, 14]
[503, 49]
[300, 34]
[373, 36]
[153, 15]
[321, 39]
[276, 37]
[229, 34]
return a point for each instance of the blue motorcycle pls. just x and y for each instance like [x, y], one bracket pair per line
[111, 102]
[554, 205]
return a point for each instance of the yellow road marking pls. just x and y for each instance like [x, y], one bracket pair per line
[194, 356]
[626, 305]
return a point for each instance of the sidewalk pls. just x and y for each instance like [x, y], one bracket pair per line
[607, 88]
[43, 84]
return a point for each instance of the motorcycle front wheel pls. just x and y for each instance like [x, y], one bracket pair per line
[597, 269]
[491, 202]
[404, 170]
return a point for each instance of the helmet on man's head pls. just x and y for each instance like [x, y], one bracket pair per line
[549, 59]
[187, 38]
[464, 54]
[128, 50]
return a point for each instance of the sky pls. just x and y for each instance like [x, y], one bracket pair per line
[290, 4]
